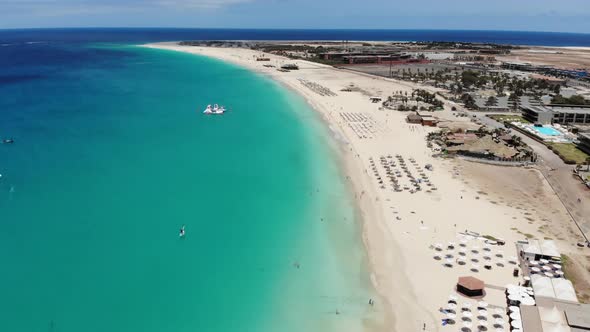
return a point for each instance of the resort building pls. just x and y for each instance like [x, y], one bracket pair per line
[551, 315]
[428, 120]
[556, 114]
[584, 142]
[414, 118]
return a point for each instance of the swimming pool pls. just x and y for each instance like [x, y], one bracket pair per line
[548, 131]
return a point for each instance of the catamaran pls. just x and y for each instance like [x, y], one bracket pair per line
[216, 109]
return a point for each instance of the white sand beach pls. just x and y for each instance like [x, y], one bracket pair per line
[401, 229]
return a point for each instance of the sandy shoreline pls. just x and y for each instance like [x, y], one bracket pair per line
[399, 228]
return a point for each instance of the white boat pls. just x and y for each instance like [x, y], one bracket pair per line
[215, 109]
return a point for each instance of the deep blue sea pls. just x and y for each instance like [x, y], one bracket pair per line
[124, 35]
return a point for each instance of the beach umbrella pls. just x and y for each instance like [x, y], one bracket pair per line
[451, 316]
[463, 243]
[547, 268]
[452, 306]
[528, 301]
[557, 266]
[453, 297]
[499, 311]
[482, 322]
[449, 261]
[438, 245]
[482, 304]
[451, 244]
[535, 269]
[514, 308]
[559, 273]
[544, 261]
[533, 263]
[482, 312]
[467, 314]
[549, 274]
[515, 315]
[514, 297]
[474, 267]
[499, 321]
[467, 325]
[466, 305]
[517, 324]
[475, 249]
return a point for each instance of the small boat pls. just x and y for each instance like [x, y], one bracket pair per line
[8, 141]
[182, 232]
[215, 109]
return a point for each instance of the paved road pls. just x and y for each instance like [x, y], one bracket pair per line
[559, 175]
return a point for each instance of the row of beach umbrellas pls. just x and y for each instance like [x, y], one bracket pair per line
[481, 314]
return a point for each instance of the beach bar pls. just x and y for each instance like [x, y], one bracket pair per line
[470, 286]
[535, 250]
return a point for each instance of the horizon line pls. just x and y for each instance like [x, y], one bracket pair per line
[294, 29]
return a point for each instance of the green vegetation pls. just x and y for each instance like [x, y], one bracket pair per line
[492, 101]
[565, 263]
[509, 118]
[489, 237]
[568, 152]
[573, 100]
[469, 101]
[427, 97]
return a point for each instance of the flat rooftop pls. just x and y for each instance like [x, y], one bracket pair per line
[578, 316]
[557, 109]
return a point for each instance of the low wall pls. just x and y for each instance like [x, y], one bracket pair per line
[497, 162]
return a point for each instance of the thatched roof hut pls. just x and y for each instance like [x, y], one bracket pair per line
[485, 145]
[470, 286]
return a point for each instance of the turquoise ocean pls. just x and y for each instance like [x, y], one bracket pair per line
[111, 156]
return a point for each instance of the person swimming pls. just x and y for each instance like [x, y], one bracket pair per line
[182, 232]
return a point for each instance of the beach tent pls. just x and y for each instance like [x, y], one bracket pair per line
[553, 327]
[470, 286]
[542, 286]
[536, 250]
[551, 315]
[564, 289]
[557, 288]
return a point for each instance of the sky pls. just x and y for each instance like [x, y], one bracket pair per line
[525, 15]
